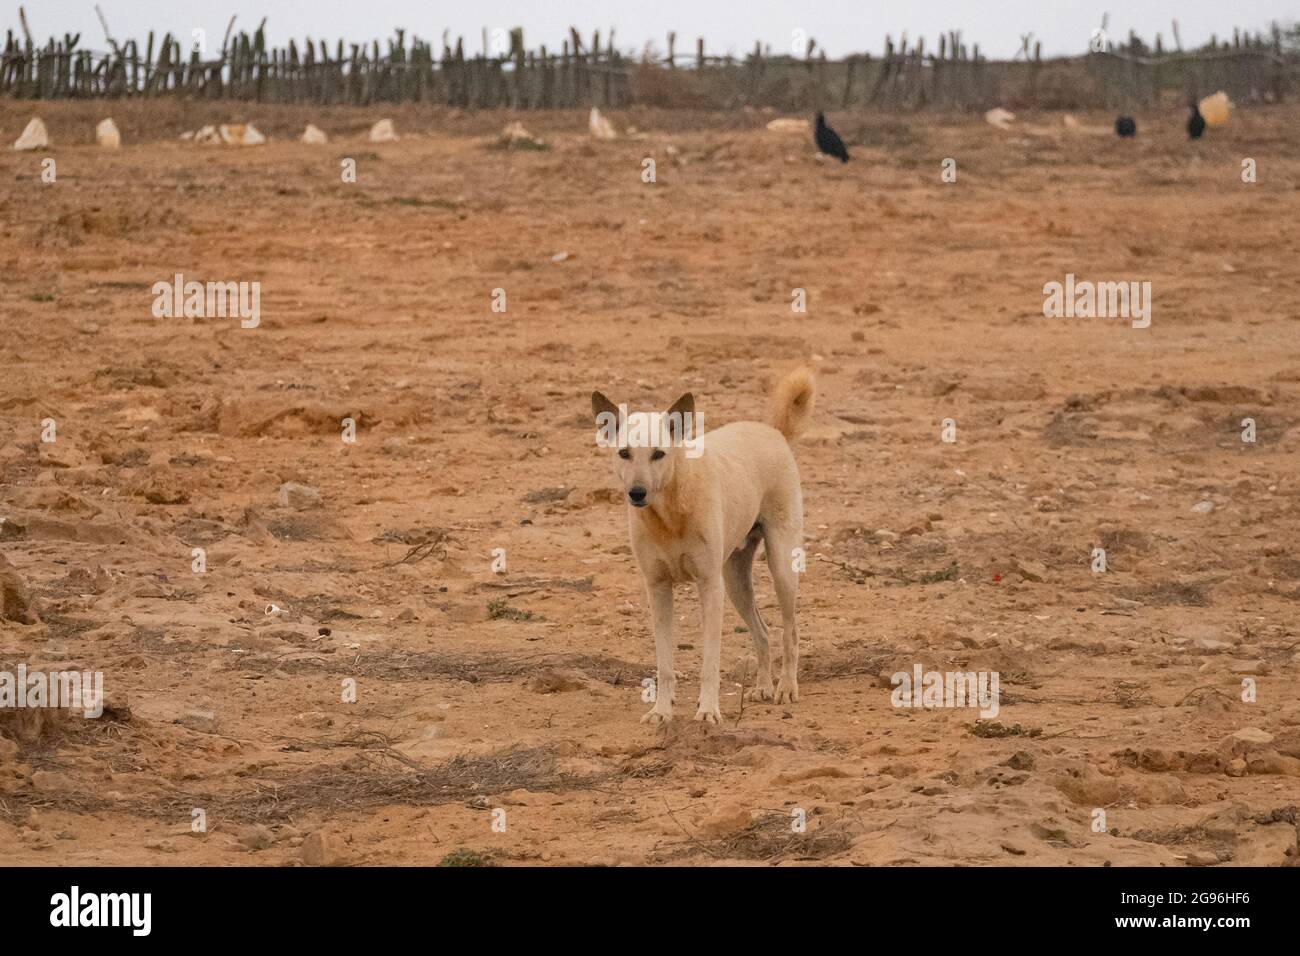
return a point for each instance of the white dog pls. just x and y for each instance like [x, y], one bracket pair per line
[699, 517]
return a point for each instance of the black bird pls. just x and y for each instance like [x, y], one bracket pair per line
[829, 142]
[1126, 126]
[1195, 123]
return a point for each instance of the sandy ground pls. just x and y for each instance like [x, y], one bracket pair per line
[497, 715]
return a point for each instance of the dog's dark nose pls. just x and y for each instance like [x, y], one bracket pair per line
[636, 495]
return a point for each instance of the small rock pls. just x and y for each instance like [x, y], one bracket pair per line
[320, 849]
[50, 780]
[314, 135]
[599, 126]
[383, 132]
[1270, 761]
[117, 706]
[299, 496]
[315, 719]
[1155, 790]
[204, 721]
[554, 680]
[516, 137]
[1020, 760]
[1034, 571]
[729, 820]
[1049, 834]
[999, 117]
[255, 837]
[107, 135]
[1248, 667]
[15, 602]
[240, 134]
[787, 124]
[1211, 645]
[103, 579]
[35, 136]
[1203, 508]
[1245, 740]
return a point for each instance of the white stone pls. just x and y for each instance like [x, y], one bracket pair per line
[999, 117]
[238, 134]
[383, 132]
[106, 134]
[789, 125]
[35, 136]
[599, 126]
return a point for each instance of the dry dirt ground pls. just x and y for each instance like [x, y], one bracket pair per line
[515, 698]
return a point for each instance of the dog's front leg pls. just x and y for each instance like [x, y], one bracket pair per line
[711, 634]
[661, 608]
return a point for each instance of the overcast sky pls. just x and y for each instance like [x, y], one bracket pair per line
[839, 26]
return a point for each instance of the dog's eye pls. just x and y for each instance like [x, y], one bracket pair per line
[656, 454]
[624, 453]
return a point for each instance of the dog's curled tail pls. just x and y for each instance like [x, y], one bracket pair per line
[793, 403]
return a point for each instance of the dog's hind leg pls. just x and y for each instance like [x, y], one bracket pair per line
[661, 606]
[738, 574]
[781, 543]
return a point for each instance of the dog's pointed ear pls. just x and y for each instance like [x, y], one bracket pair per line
[599, 404]
[606, 414]
[680, 418]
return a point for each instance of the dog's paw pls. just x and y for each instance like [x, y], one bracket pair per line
[787, 691]
[657, 717]
[759, 693]
[709, 714]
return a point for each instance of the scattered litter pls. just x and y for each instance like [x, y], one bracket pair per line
[514, 136]
[383, 132]
[107, 135]
[35, 136]
[599, 126]
[999, 117]
[239, 134]
[788, 124]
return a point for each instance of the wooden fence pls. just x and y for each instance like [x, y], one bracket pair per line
[949, 76]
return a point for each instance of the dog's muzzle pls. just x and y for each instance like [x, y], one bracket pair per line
[636, 496]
